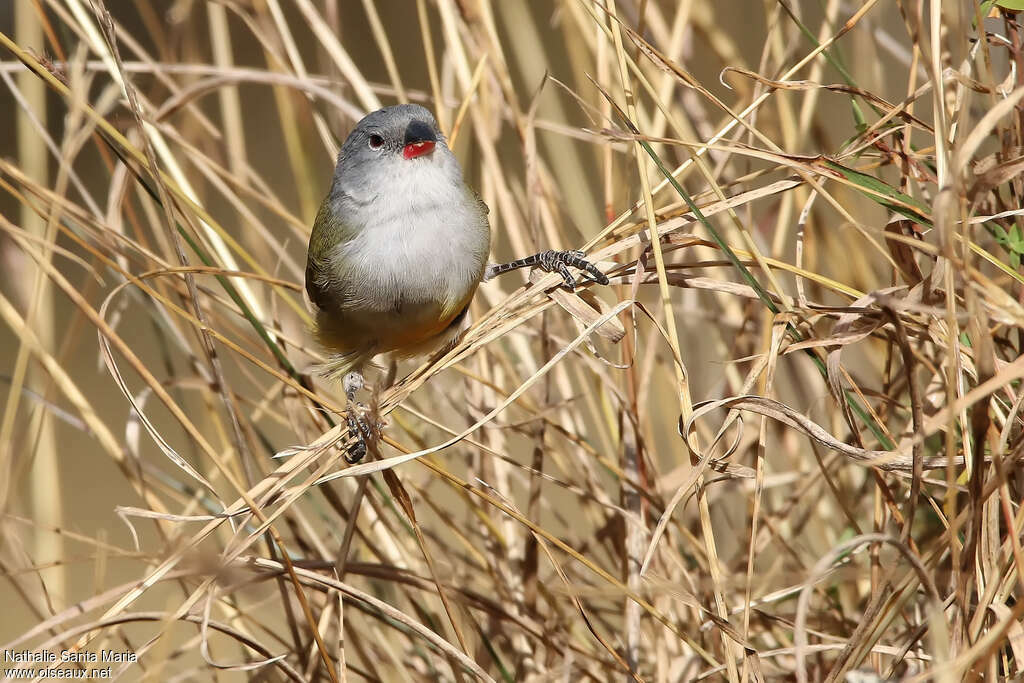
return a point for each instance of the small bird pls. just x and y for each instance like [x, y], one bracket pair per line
[398, 248]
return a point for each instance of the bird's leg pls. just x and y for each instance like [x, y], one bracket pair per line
[358, 428]
[551, 261]
[352, 382]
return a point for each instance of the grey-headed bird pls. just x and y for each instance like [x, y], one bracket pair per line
[398, 248]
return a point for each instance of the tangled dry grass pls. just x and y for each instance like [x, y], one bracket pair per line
[785, 443]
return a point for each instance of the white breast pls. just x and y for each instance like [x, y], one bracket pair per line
[421, 244]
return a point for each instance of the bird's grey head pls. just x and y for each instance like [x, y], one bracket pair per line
[388, 144]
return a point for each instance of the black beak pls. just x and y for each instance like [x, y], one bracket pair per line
[418, 131]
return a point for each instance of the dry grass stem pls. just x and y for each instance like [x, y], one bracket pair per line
[785, 443]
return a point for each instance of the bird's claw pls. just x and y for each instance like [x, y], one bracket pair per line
[554, 261]
[361, 433]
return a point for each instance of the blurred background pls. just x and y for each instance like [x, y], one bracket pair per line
[244, 106]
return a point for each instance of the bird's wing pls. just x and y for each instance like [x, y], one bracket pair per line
[314, 283]
[327, 232]
[479, 200]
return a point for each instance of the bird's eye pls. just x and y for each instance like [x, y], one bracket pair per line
[375, 142]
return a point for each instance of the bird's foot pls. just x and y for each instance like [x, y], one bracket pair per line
[557, 261]
[552, 261]
[363, 430]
